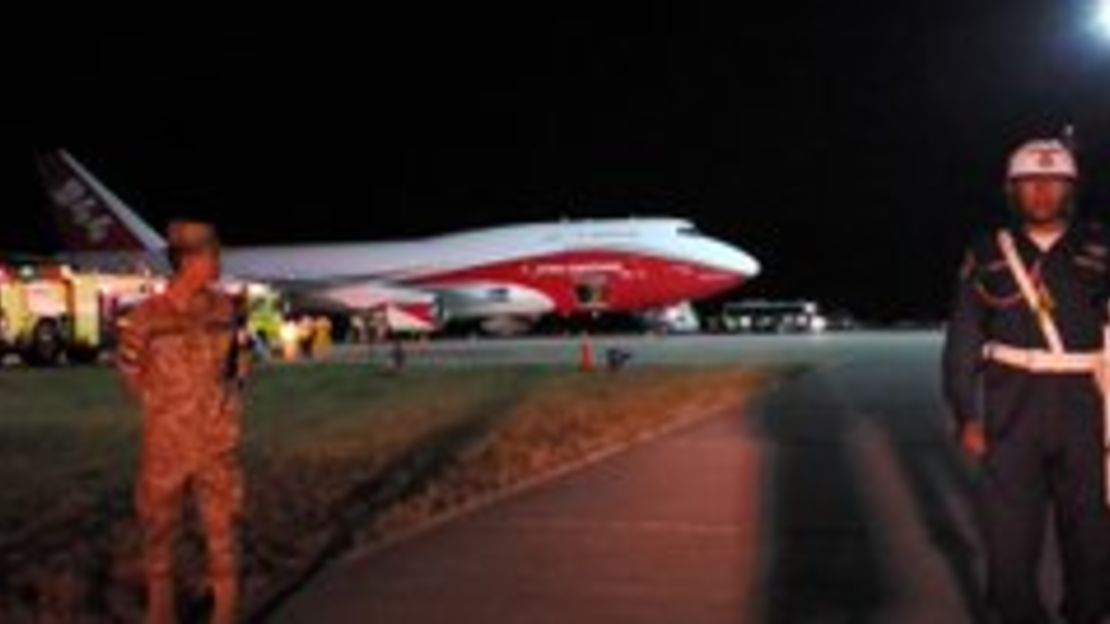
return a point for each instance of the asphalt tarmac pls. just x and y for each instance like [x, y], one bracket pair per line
[703, 349]
[835, 497]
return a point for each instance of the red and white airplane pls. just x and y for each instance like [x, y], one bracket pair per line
[509, 275]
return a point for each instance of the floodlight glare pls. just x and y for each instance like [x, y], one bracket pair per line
[1102, 17]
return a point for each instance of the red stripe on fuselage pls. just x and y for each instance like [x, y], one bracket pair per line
[629, 281]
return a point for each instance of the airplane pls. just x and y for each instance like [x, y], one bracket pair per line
[505, 277]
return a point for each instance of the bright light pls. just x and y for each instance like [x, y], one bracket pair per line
[289, 332]
[819, 324]
[1102, 17]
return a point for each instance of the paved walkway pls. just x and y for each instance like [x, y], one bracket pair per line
[836, 498]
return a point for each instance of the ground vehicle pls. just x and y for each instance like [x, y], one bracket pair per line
[773, 317]
[47, 311]
[677, 319]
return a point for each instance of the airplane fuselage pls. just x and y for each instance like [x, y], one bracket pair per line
[563, 268]
[566, 268]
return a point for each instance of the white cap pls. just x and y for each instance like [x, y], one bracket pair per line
[1043, 158]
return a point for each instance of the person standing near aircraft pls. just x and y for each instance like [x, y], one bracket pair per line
[181, 354]
[1023, 366]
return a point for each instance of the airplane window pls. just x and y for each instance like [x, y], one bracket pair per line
[688, 230]
[499, 294]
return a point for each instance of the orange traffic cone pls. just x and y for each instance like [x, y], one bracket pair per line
[586, 356]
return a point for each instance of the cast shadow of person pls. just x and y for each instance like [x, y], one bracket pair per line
[823, 559]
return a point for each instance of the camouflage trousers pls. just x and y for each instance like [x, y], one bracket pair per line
[217, 484]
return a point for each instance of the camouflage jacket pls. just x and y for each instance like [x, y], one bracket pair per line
[184, 367]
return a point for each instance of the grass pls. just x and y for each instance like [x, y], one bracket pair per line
[333, 453]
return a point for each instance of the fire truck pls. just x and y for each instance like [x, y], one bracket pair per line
[48, 312]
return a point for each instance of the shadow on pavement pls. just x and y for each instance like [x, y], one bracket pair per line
[907, 409]
[823, 559]
[820, 560]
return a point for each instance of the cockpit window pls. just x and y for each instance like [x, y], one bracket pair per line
[688, 230]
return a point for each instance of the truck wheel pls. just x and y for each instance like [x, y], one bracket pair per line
[46, 344]
[83, 355]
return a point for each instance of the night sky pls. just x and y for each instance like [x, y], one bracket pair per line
[853, 147]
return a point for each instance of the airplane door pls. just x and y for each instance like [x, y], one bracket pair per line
[592, 292]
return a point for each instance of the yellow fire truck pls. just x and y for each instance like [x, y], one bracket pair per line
[47, 312]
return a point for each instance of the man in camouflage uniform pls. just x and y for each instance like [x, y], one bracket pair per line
[179, 355]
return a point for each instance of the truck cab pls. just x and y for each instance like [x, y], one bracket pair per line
[47, 312]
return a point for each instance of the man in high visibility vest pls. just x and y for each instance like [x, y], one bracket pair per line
[1023, 367]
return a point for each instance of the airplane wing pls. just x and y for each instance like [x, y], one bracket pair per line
[366, 295]
[399, 308]
[433, 302]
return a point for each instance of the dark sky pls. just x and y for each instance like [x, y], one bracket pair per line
[852, 146]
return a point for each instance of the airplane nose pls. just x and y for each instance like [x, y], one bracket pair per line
[738, 262]
[746, 265]
[728, 261]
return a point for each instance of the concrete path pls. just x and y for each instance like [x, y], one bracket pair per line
[836, 498]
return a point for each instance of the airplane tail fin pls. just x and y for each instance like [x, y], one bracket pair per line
[90, 217]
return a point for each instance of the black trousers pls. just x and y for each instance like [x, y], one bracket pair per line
[1046, 454]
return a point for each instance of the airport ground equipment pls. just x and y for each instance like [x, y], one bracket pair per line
[757, 316]
[48, 313]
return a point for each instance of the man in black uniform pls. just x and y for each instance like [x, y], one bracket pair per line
[1023, 368]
